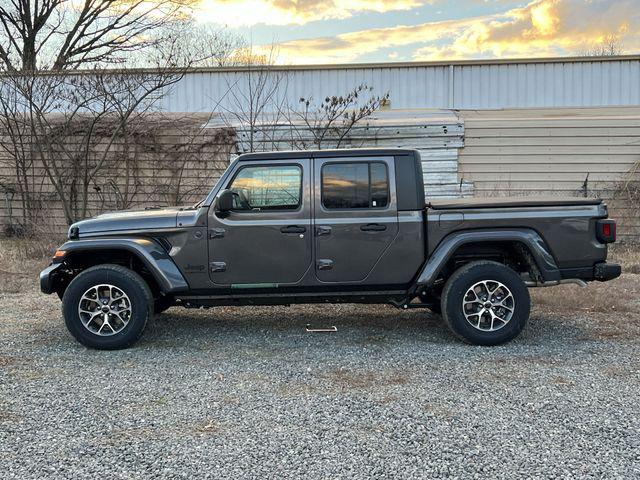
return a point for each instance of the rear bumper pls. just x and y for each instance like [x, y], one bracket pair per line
[602, 272]
[606, 271]
[47, 278]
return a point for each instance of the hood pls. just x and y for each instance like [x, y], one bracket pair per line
[150, 219]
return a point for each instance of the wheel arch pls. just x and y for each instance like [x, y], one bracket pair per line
[524, 244]
[142, 255]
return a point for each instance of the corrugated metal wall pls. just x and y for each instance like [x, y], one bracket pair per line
[579, 82]
[585, 152]
[437, 135]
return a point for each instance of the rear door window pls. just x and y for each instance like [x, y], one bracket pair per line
[355, 185]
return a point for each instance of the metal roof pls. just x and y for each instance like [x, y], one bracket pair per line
[365, 65]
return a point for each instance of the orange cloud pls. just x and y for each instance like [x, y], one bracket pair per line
[285, 12]
[541, 28]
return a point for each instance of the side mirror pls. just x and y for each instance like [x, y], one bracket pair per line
[224, 203]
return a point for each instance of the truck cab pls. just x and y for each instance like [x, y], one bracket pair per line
[327, 226]
[286, 221]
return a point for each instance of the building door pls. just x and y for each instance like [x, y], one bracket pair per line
[265, 240]
[356, 216]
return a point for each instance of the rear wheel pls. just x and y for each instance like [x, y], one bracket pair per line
[486, 303]
[107, 307]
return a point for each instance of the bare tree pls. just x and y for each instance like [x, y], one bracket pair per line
[72, 125]
[185, 42]
[257, 96]
[66, 132]
[609, 46]
[64, 34]
[208, 46]
[328, 124]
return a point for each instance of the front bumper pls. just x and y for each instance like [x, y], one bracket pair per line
[47, 278]
[606, 271]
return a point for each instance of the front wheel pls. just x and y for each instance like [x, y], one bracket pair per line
[107, 307]
[486, 303]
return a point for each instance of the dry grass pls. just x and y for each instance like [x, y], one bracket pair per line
[21, 259]
[621, 295]
[626, 255]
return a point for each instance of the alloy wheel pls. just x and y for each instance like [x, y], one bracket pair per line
[104, 309]
[488, 305]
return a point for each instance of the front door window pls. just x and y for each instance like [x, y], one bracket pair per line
[267, 188]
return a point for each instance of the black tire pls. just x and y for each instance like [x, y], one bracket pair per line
[129, 282]
[161, 304]
[461, 282]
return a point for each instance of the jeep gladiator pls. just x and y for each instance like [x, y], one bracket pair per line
[328, 226]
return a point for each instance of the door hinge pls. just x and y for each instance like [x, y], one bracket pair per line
[218, 267]
[217, 232]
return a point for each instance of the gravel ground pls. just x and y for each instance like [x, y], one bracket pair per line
[247, 393]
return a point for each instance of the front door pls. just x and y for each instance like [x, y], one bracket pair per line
[265, 241]
[356, 217]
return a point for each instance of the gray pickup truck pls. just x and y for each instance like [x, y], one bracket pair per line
[328, 226]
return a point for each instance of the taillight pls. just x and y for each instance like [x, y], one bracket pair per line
[606, 231]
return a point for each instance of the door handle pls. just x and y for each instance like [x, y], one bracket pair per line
[293, 229]
[218, 267]
[373, 227]
[323, 230]
[324, 264]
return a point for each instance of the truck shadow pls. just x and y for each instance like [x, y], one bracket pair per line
[372, 325]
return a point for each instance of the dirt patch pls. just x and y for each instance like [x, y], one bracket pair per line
[438, 410]
[210, 427]
[6, 360]
[8, 417]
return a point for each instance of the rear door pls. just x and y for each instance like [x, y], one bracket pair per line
[356, 216]
[266, 240]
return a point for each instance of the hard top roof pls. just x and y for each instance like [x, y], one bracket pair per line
[346, 152]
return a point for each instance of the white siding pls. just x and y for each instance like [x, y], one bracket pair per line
[585, 152]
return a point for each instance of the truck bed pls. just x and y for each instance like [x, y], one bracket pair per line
[570, 236]
[506, 202]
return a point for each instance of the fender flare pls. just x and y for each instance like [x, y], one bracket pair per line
[149, 252]
[530, 238]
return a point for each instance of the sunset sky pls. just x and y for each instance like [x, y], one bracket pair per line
[340, 31]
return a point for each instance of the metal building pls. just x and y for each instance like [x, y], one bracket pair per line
[475, 84]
